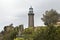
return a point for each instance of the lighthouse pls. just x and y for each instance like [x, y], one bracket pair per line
[30, 17]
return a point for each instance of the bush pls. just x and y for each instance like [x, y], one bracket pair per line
[19, 39]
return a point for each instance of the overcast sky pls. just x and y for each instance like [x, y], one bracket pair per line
[16, 11]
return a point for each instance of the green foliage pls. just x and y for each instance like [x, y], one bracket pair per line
[38, 33]
[10, 36]
[9, 32]
[34, 33]
[43, 33]
[19, 39]
[50, 17]
[29, 33]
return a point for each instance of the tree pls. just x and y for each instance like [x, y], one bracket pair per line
[9, 32]
[10, 36]
[50, 17]
[51, 32]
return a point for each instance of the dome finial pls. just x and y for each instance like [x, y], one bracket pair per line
[30, 6]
